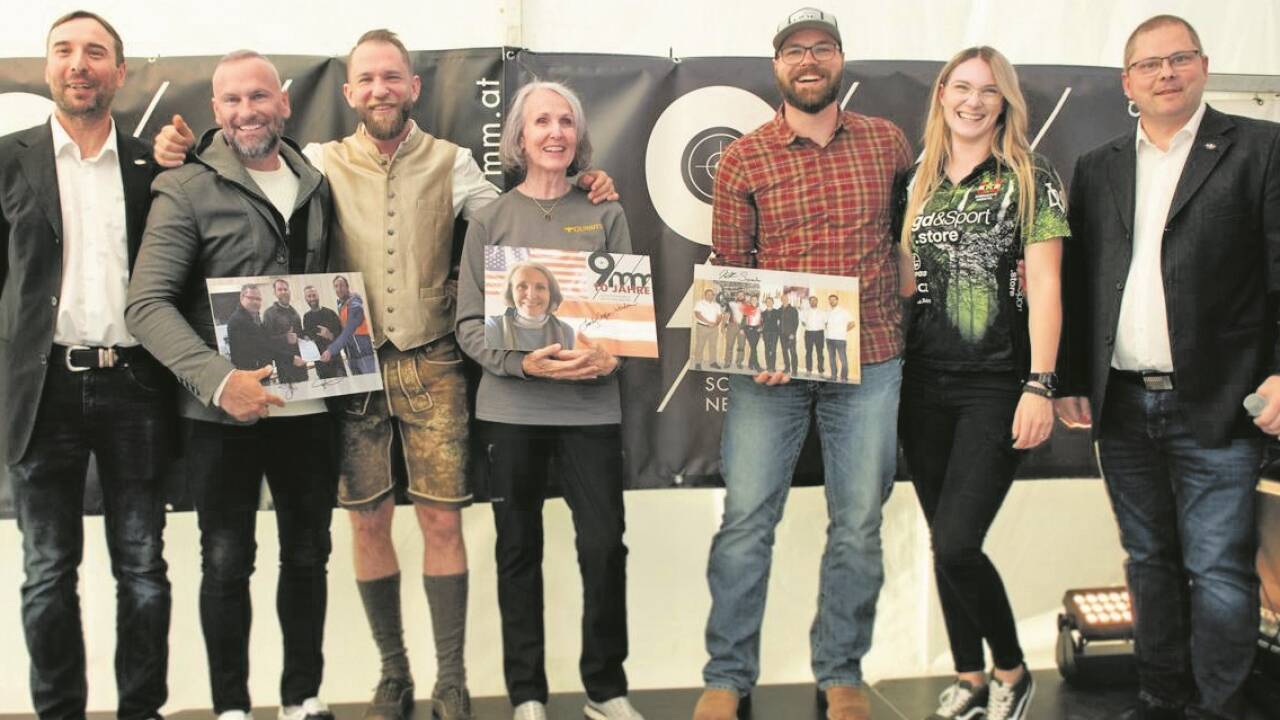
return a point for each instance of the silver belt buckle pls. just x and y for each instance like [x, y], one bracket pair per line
[1158, 382]
[106, 358]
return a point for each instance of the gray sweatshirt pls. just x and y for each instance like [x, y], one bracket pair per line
[505, 394]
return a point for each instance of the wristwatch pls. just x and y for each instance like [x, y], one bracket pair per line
[1048, 380]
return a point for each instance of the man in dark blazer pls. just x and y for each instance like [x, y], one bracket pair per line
[1171, 285]
[74, 194]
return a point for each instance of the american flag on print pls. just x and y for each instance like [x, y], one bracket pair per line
[606, 296]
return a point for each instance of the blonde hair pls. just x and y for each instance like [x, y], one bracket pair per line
[1009, 145]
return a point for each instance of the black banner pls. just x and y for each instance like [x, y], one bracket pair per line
[657, 125]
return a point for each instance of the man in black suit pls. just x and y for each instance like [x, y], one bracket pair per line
[246, 335]
[74, 195]
[1171, 281]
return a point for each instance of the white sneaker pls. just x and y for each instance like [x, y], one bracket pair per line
[312, 708]
[234, 715]
[619, 708]
[531, 710]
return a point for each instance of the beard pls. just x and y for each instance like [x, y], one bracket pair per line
[97, 106]
[257, 149]
[810, 100]
[384, 127]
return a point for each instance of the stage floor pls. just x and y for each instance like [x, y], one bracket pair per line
[907, 699]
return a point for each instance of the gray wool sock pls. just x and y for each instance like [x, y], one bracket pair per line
[447, 597]
[381, 600]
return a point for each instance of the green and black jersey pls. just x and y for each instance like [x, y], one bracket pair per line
[969, 313]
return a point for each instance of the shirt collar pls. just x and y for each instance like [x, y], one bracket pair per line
[782, 134]
[62, 142]
[1187, 131]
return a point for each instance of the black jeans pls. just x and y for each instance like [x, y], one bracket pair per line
[955, 431]
[771, 350]
[121, 416]
[790, 361]
[753, 338]
[589, 460]
[813, 340]
[226, 465]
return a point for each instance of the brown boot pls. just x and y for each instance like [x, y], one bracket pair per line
[847, 703]
[716, 704]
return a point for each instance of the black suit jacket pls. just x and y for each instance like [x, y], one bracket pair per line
[1220, 261]
[31, 265]
[250, 348]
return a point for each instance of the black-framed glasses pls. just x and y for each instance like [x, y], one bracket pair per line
[1180, 60]
[821, 52]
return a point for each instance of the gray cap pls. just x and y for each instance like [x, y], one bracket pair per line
[804, 19]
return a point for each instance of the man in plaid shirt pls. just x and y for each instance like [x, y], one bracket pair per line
[808, 191]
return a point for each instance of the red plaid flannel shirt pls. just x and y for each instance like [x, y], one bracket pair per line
[784, 203]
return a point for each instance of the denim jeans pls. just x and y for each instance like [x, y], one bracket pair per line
[226, 465]
[1186, 517]
[121, 416]
[838, 354]
[589, 459]
[764, 430]
[956, 437]
[814, 340]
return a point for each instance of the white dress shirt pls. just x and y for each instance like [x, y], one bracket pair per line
[814, 319]
[95, 246]
[1142, 333]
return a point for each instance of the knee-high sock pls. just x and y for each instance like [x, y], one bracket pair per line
[447, 597]
[381, 600]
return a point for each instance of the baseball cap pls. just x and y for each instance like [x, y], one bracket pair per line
[803, 19]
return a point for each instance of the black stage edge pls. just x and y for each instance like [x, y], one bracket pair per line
[907, 699]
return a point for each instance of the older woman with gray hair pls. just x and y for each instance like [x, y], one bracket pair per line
[557, 401]
[533, 295]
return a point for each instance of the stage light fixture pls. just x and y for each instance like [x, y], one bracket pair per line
[1095, 637]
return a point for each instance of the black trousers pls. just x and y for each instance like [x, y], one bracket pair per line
[813, 340]
[121, 415]
[589, 461]
[955, 432]
[771, 350]
[226, 465]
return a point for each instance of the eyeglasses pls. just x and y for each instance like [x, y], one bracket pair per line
[1177, 61]
[794, 54]
[989, 94]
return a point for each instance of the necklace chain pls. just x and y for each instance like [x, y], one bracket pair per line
[546, 211]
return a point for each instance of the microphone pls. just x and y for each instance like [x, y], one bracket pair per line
[1254, 404]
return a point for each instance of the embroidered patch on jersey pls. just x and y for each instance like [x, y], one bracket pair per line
[988, 189]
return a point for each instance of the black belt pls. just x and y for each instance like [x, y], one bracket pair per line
[1149, 379]
[79, 358]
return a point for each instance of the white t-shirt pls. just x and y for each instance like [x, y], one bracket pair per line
[838, 320]
[709, 309]
[280, 186]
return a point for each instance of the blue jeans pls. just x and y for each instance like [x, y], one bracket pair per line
[764, 430]
[1186, 517]
[121, 416]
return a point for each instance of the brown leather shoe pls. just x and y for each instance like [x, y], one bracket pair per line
[847, 703]
[716, 704]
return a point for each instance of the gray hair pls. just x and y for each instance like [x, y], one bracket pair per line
[510, 151]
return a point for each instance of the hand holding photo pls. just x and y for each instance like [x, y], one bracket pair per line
[748, 322]
[315, 349]
[536, 297]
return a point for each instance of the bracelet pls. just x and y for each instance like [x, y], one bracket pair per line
[1040, 390]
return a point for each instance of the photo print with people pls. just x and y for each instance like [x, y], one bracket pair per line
[747, 321]
[535, 297]
[313, 330]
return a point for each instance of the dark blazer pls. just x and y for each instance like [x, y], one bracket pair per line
[1221, 266]
[31, 265]
[250, 348]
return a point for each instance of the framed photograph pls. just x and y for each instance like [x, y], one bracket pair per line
[748, 321]
[534, 297]
[313, 330]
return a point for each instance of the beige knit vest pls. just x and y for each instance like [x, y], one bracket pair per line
[394, 223]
